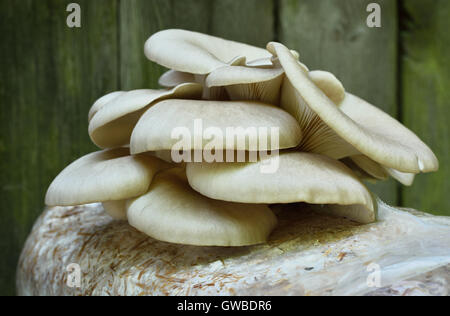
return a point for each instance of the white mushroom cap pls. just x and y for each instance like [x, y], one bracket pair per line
[380, 172]
[371, 131]
[108, 175]
[171, 211]
[112, 125]
[368, 169]
[173, 78]
[402, 177]
[102, 102]
[301, 177]
[369, 166]
[155, 129]
[360, 173]
[195, 52]
[232, 75]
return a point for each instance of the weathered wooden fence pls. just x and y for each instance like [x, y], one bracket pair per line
[50, 75]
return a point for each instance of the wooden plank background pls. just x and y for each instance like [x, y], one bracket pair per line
[50, 75]
[425, 92]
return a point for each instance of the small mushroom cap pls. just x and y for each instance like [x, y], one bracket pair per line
[116, 209]
[402, 177]
[247, 83]
[329, 84]
[102, 101]
[108, 175]
[358, 171]
[369, 166]
[379, 172]
[173, 78]
[371, 131]
[155, 129]
[113, 124]
[197, 53]
[171, 211]
[301, 177]
[232, 75]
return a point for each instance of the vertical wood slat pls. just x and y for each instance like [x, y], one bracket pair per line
[426, 95]
[50, 76]
[249, 21]
[332, 35]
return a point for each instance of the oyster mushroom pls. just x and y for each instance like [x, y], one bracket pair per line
[363, 126]
[173, 78]
[317, 136]
[113, 123]
[301, 177]
[171, 211]
[197, 53]
[329, 84]
[109, 176]
[372, 168]
[100, 103]
[154, 131]
[248, 83]
[402, 177]
[329, 139]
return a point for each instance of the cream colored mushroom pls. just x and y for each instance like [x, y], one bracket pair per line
[171, 211]
[301, 177]
[197, 53]
[368, 129]
[329, 84]
[402, 177]
[112, 124]
[104, 176]
[248, 83]
[159, 126]
[173, 78]
[264, 83]
[372, 168]
[380, 172]
[318, 137]
[100, 103]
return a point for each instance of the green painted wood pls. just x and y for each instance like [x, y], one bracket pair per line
[332, 35]
[50, 75]
[426, 96]
[249, 21]
[139, 19]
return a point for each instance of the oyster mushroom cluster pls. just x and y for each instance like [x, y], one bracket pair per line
[327, 141]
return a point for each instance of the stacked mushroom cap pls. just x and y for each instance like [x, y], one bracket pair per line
[328, 141]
